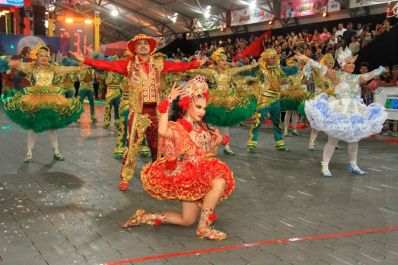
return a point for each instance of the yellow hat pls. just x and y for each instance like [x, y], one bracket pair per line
[35, 51]
[269, 53]
[327, 58]
[216, 55]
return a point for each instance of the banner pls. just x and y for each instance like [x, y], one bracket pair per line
[12, 2]
[301, 8]
[360, 3]
[251, 16]
[14, 44]
[211, 23]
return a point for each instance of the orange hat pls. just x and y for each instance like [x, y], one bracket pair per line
[152, 42]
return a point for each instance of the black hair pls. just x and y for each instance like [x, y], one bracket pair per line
[44, 48]
[366, 64]
[178, 113]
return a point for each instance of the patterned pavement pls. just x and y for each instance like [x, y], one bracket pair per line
[71, 212]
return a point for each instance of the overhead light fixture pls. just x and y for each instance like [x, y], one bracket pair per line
[88, 21]
[173, 17]
[207, 12]
[253, 4]
[114, 13]
[69, 20]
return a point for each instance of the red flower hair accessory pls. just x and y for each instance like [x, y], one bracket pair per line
[196, 87]
[185, 102]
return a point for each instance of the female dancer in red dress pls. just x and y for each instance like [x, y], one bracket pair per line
[187, 171]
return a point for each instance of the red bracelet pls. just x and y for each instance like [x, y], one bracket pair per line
[163, 106]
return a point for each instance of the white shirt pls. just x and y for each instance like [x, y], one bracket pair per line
[340, 32]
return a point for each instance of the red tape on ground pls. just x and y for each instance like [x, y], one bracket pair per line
[261, 243]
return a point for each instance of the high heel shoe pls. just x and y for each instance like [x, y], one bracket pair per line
[123, 185]
[327, 173]
[210, 233]
[28, 158]
[204, 230]
[58, 157]
[325, 169]
[355, 170]
[141, 217]
[229, 152]
[135, 220]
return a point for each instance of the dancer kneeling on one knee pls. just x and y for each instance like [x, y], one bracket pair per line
[188, 170]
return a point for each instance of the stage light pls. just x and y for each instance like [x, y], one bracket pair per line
[174, 17]
[88, 21]
[69, 20]
[270, 22]
[207, 12]
[114, 13]
[324, 14]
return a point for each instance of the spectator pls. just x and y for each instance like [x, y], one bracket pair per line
[347, 35]
[354, 45]
[340, 30]
[325, 35]
[316, 37]
[332, 40]
[366, 39]
[359, 30]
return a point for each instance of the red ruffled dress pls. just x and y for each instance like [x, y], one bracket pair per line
[187, 168]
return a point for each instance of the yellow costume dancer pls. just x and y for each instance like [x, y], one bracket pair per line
[271, 75]
[293, 94]
[322, 85]
[86, 89]
[42, 107]
[228, 106]
[68, 86]
[112, 98]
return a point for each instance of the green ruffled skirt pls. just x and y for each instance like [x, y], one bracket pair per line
[41, 112]
[227, 109]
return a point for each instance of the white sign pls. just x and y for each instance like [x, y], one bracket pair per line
[251, 15]
[360, 3]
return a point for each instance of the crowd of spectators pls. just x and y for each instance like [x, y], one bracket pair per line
[313, 44]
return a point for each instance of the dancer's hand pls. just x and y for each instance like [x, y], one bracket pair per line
[14, 63]
[78, 55]
[202, 60]
[175, 92]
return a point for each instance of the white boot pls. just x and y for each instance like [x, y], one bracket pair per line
[28, 158]
[325, 169]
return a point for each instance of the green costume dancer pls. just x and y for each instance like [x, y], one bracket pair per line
[67, 85]
[86, 89]
[112, 98]
[271, 75]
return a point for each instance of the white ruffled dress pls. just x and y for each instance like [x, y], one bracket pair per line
[345, 116]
